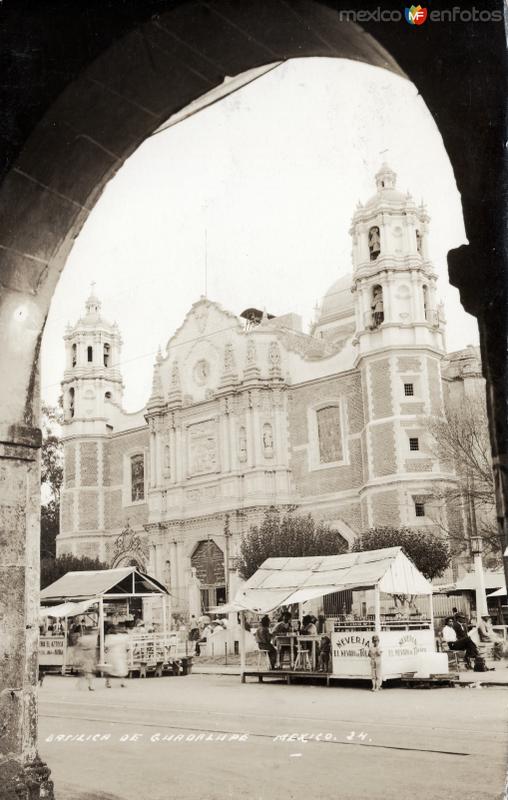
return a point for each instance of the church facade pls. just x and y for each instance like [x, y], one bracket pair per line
[250, 412]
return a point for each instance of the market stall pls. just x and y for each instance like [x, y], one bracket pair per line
[98, 599]
[388, 597]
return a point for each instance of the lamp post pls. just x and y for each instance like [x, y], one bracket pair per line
[481, 599]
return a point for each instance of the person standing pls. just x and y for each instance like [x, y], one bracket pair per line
[117, 650]
[375, 654]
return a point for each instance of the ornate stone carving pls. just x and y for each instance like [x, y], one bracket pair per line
[229, 358]
[130, 545]
[201, 371]
[251, 353]
[274, 355]
[201, 315]
[202, 439]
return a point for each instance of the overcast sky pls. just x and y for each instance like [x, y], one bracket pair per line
[273, 174]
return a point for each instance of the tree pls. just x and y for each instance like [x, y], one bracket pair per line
[461, 443]
[54, 568]
[285, 535]
[51, 478]
[429, 552]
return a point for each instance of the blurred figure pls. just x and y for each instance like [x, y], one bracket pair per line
[264, 640]
[117, 650]
[487, 634]
[85, 655]
[375, 656]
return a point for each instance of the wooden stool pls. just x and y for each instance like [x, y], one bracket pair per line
[267, 664]
[303, 659]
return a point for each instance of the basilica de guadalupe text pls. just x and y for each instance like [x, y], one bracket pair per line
[248, 412]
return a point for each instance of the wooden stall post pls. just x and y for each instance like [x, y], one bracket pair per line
[377, 608]
[66, 630]
[242, 645]
[101, 630]
[164, 616]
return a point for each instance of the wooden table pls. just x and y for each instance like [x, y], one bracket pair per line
[285, 640]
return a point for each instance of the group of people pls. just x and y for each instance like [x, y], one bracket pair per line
[457, 636]
[266, 635]
[200, 629]
[85, 641]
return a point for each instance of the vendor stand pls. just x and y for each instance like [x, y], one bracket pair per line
[384, 585]
[103, 598]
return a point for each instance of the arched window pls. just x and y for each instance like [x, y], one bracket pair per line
[374, 242]
[71, 403]
[74, 354]
[107, 396]
[418, 242]
[377, 306]
[106, 354]
[137, 477]
[329, 434]
[89, 353]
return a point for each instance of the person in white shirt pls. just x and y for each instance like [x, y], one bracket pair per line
[449, 635]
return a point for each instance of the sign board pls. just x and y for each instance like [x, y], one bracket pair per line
[401, 650]
[51, 650]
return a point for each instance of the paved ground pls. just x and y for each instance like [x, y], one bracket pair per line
[399, 743]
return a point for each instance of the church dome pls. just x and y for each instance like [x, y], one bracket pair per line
[338, 300]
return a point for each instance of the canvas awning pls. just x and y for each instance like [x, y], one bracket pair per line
[498, 593]
[67, 609]
[282, 581]
[112, 583]
[492, 580]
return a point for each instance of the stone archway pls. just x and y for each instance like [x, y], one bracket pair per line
[124, 72]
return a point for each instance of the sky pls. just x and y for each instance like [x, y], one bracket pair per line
[257, 193]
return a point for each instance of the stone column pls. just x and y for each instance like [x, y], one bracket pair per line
[23, 774]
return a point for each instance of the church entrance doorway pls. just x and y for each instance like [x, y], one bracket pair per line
[208, 561]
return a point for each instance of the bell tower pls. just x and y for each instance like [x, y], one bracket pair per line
[393, 277]
[400, 342]
[91, 379]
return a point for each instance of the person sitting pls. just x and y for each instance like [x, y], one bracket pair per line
[486, 634]
[456, 642]
[264, 640]
[283, 626]
[325, 649]
[308, 626]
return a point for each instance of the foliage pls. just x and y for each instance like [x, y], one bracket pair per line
[286, 535]
[429, 552]
[461, 443]
[51, 478]
[54, 568]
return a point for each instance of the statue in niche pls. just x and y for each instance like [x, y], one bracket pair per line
[374, 242]
[242, 445]
[267, 440]
[274, 354]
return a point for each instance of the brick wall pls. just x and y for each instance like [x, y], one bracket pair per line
[383, 446]
[118, 446]
[70, 464]
[88, 503]
[385, 508]
[116, 515]
[409, 364]
[67, 512]
[89, 465]
[380, 389]
[434, 377]
[330, 479]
